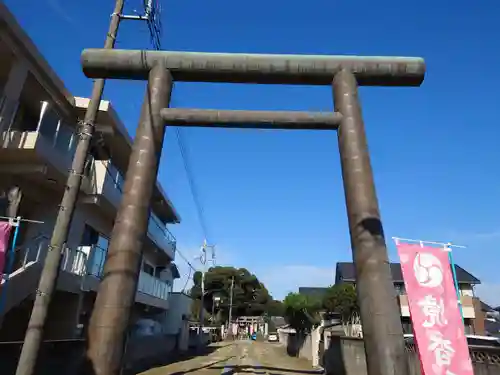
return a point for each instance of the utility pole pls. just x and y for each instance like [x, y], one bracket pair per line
[229, 324]
[202, 299]
[203, 260]
[213, 309]
[48, 279]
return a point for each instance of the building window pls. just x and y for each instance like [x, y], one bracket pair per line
[49, 124]
[469, 328]
[407, 325]
[466, 290]
[89, 168]
[115, 174]
[159, 270]
[99, 244]
[26, 117]
[148, 268]
[64, 140]
[400, 289]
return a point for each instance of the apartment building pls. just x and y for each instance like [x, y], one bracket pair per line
[471, 306]
[38, 135]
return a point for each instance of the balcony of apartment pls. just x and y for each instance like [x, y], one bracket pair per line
[81, 270]
[35, 140]
[87, 262]
[120, 147]
[103, 185]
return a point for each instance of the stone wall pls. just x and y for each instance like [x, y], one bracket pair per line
[346, 356]
[296, 344]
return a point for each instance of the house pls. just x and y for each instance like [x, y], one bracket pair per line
[491, 320]
[471, 306]
[38, 137]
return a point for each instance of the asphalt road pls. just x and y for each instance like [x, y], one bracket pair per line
[238, 357]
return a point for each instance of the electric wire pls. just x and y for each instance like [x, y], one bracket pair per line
[192, 185]
[156, 30]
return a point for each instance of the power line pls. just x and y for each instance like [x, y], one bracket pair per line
[191, 182]
[153, 11]
[187, 261]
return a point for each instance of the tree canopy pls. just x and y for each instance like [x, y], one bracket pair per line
[341, 299]
[250, 296]
[303, 312]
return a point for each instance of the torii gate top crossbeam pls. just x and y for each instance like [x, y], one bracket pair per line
[253, 68]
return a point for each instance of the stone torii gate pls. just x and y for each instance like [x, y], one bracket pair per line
[383, 335]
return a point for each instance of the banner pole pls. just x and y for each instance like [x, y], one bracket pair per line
[10, 257]
[447, 248]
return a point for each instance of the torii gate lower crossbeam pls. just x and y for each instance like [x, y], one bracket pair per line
[286, 120]
[382, 330]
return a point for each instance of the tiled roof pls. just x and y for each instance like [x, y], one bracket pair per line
[492, 327]
[347, 272]
[278, 321]
[485, 306]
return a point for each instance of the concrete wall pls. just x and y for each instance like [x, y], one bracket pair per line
[478, 323]
[179, 305]
[346, 356]
[149, 350]
[194, 339]
[63, 313]
[296, 344]
[62, 325]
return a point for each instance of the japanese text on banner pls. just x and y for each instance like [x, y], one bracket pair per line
[437, 323]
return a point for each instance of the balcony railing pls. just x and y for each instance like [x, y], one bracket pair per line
[86, 260]
[111, 186]
[161, 235]
[153, 286]
[27, 127]
[30, 252]
[89, 260]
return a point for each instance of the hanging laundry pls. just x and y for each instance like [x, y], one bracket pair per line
[5, 228]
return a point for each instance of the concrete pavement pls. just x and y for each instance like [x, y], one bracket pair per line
[238, 357]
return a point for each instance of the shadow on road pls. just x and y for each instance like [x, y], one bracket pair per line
[230, 370]
[175, 357]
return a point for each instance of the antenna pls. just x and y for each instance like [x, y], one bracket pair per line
[152, 16]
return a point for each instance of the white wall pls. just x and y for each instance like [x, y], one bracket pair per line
[466, 290]
[179, 304]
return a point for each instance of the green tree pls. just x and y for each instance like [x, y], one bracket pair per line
[275, 308]
[341, 299]
[301, 311]
[250, 296]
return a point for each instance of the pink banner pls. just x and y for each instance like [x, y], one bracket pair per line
[437, 323]
[4, 243]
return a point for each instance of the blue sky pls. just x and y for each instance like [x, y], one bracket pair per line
[273, 200]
